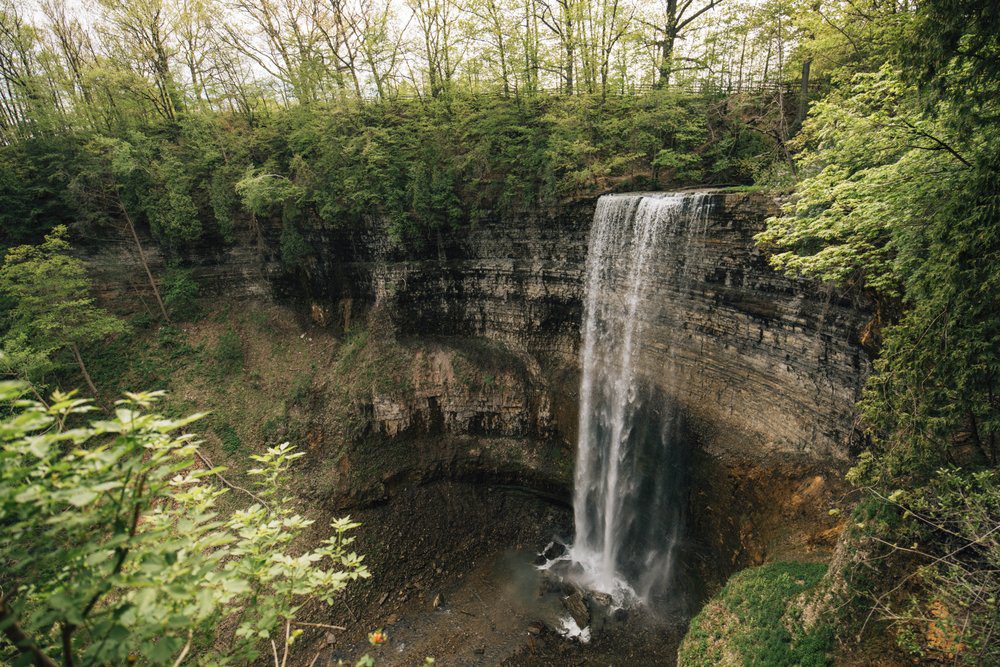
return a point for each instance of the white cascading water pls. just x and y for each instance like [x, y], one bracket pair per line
[627, 504]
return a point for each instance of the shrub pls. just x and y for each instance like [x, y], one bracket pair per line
[114, 550]
[942, 540]
[180, 294]
[294, 249]
[229, 352]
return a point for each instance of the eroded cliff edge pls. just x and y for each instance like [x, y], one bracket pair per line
[766, 367]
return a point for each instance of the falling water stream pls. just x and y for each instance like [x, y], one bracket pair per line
[628, 498]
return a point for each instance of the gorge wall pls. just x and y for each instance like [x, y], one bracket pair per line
[771, 363]
[766, 367]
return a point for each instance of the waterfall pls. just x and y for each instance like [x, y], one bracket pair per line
[628, 497]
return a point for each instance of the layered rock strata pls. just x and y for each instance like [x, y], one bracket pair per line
[766, 366]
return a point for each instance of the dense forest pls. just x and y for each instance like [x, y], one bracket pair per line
[160, 112]
[177, 122]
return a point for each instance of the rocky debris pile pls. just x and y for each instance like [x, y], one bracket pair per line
[580, 612]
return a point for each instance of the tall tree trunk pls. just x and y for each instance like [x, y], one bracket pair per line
[145, 264]
[666, 58]
[782, 124]
[569, 44]
[803, 94]
[83, 369]
[667, 45]
[743, 55]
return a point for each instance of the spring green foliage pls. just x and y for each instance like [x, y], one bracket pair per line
[114, 549]
[198, 119]
[421, 165]
[51, 307]
[19, 358]
[752, 621]
[228, 354]
[903, 201]
[172, 212]
[263, 194]
[900, 197]
[180, 293]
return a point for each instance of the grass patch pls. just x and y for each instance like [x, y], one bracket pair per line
[228, 354]
[272, 429]
[301, 387]
[749, 622]
[369, 364]
[231, 442]
[130, 362]
[351, 350]
[260, 319]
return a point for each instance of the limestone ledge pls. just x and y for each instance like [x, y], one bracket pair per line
[767, 365]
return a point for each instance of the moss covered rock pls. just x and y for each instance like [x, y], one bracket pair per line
[756, 620]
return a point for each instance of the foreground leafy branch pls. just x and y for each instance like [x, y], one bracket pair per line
[115, 549]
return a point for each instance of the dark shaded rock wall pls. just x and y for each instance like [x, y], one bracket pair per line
[768, 367]
[242, 270]
[517, 281]
[766, 364]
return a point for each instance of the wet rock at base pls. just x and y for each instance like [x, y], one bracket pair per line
[600, 607]
[551, 552]
[596, 598]
[551, 583]
[554, 550]
[577, 608]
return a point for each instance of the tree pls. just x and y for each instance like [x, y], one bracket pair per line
[563, 21]
[52, 302]
[439, 41]
[493, 15]
[25, 362]
[372, 25]
[141, 34]
[284, 41]
[677, 16]
[114, 547]
[29, 103]
[111, 173]
[900, 198]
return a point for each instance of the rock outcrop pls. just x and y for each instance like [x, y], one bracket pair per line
[768, 367]
[768, 364]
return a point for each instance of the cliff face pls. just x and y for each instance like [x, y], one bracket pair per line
[766, 367]
[517, 281]
[766, 364]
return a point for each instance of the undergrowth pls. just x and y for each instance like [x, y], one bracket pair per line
[752, 621]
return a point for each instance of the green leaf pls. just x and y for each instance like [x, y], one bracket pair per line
[81, 497]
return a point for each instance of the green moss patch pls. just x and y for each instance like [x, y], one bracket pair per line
[754, 621]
